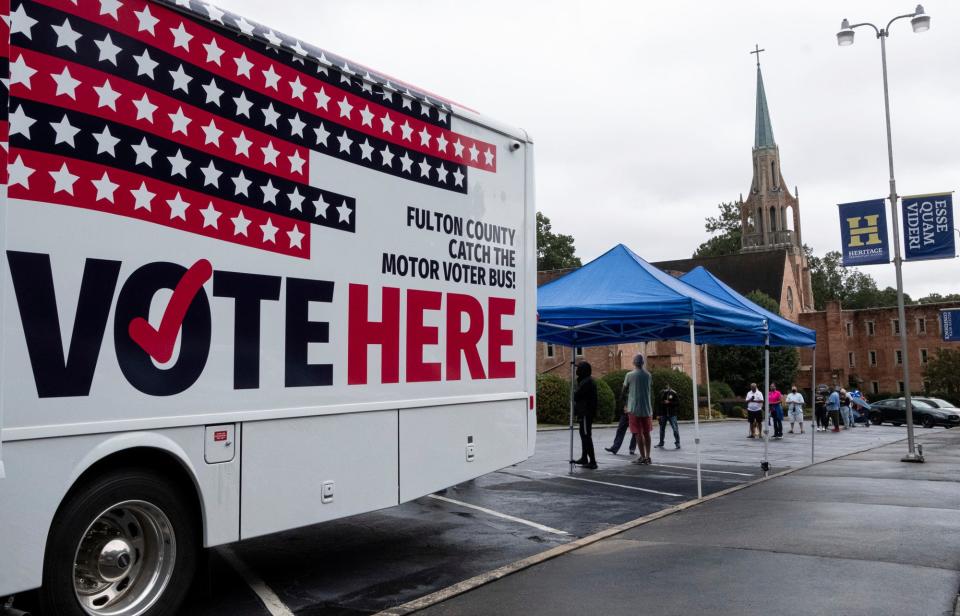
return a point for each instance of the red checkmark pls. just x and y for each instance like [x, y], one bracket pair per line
[159, 343]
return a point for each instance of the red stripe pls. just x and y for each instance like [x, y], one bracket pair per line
[4, 29]
[42, 187]
[43, 89]
[163, 39]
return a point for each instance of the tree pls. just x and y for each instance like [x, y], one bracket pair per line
[943, 372]
[738, 366]
[554, 250]
[727, 224]
[935, 298]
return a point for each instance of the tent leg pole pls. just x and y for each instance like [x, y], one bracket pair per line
[573, 381]
[706, 368]
[696, 413]
[765, 465]
[813, 406]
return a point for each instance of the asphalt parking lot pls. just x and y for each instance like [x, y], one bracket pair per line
[367, 563]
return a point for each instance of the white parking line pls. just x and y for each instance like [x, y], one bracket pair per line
[605, 483]
[703, 470]
[505, 516]
[269, 598]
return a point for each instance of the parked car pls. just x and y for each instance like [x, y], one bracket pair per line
[927, 412]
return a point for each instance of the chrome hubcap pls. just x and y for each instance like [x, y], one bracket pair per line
[125, 560]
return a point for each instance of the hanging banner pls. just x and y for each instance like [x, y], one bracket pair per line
[928, 227]
[863, 233]
[950, 325]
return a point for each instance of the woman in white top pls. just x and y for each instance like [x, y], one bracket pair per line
[795, 408]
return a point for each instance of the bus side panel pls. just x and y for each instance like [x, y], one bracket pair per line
[459, 442]
[287, 461]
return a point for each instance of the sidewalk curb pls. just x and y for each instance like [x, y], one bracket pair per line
[545, 428]
[500, 572]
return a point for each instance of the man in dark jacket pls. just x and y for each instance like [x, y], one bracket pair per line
[669, 403]
[585, 408]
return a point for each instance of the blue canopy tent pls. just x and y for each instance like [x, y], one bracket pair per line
[780, 333]
[620, 298]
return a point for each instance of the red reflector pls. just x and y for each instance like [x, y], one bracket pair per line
[220, 435]
[531, 403]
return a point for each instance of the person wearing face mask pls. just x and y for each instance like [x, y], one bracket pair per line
[755, 411]
[776, 410]
[585, 408]
[795, 408]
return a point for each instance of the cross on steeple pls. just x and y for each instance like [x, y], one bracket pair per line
[757, 50]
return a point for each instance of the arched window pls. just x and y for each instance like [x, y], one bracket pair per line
[773, 175]
[790, 298]
[773, 219]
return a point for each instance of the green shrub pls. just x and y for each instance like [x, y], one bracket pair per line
[681, 383]
[615, 381]
[720, 390]
[553, 399]
[606, 402]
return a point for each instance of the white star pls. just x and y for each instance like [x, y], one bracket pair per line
[179, 121]
[20, 123]
[424, 109]
[322, 99]
[21, 22]
[241, 184]
[442, 115]
[295, 236]
[388, 123]
[387, 156]
[366, 117]
[345, 108]
[407, 130]
[424, 168]
[442, 143]
[211, 175]
[473, 151]
[488, 155]
[107, 95]
[270, 154]
[105, 188]
[65, 131]
[213, 92]
[214, 13]
[178, 207]
[296, 162]
[272, 38]
[366, 150]
[66, 84]
[142, 197]
[298, 49]
[243, 144]
[106, 142]
[240, 224]
[243, 104]
[181, 38]
[213, 51]
[296, 200]
[271, 78]
[181, 81]
[296, 125]
[344, 212]
[458, 149]
[144, 153]
[63, 180]
[270, 116]
[405, 100]
[297, 88]
[211, 134]
[108, 51]
[210, 216]
[66, 35]
[145, 64]
[269, 232]
[109, 7]
[21, 73]
[243, 65]
[406, 162]
[146, 21]
[18, 173]
[442, 173]
[458, 177]
[424, 137]
[245, 26]
[320, 206]
[345, 142]
[322, 135]
[178, 164]
[269, 192]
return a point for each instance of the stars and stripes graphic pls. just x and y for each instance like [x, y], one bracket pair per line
[140, 109]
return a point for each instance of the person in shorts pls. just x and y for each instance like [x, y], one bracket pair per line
[795, 408]
[637, 385]
[755, 410]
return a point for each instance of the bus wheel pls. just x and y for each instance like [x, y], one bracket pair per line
[124, 544]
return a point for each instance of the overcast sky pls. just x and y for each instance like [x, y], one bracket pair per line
[643, 113]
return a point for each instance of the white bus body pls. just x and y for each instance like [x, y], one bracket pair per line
[283, 286]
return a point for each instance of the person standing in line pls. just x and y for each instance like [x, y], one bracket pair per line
[795, 408]
[639, 405]
[820, 408]
[755, 411]
[833, 408]
[621, 433]
[776, 410]
[585, 408]
[845, 413]
[669, 404]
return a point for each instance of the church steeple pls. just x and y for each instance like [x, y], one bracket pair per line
[763, 133]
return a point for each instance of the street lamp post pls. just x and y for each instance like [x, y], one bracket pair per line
[920, 22]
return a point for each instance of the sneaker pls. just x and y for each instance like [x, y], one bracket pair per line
[677, 446]
[638, 461]
[633, 452]
[611, 450]
[751, 436]
[791, 430]
[591, 466]
[660, 446]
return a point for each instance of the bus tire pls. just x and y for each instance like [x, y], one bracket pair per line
[125, 542]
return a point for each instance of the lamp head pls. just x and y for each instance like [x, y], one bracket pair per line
[845, 36]
[920, 21]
